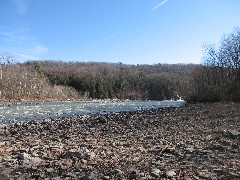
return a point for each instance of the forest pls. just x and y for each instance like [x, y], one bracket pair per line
[216, 79]
[46, 80]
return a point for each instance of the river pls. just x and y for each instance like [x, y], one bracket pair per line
[27, 111]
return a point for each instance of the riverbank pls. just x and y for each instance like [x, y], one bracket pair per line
[197, 141]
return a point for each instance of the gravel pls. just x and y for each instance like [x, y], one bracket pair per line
[197, 141]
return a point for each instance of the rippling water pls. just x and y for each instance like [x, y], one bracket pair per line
[14, 112]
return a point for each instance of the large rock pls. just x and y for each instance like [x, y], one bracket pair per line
[132, 175]
[155, 173]
[90, 155]
[170, 174]
[23, 156]
[233, 133]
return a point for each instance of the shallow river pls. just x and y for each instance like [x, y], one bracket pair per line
[15, 112]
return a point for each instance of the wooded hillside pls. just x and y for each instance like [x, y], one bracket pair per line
[90, 80]
[111, 80]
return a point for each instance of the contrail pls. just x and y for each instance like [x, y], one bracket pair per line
[102, 40]
[153, 9]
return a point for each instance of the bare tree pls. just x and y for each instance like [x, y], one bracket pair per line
[5, 61]
[221, 69]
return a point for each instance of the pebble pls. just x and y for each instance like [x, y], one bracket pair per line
[90, 155]
[23, 156]
[132, 175]
[233, 133]
[118, 172]
[155, 173]
[170, 174]
[106, 177]
[70, 175]
[50, 170]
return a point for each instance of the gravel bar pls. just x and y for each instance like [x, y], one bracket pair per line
[197, 141]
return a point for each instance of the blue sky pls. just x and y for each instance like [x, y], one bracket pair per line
[127, 31]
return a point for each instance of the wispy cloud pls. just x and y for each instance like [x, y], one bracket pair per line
[40, 49]
[21, 6]
[27, 56]
[21, 43]
[16, 34]
[160, 4]
[26, 53]
[102, 40]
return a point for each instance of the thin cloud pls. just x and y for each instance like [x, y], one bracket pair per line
[39, 49]
[6, 35]
[156, 7]
[26, 56]
[102, 40]
[21, 6]
[28, 51]
[21, 43]
[16, 35]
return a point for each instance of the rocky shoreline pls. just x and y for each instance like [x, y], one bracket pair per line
[197, 141]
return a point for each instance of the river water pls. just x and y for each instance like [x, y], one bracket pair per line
[27, 111]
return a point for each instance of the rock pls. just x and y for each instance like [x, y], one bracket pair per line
[203, 175]
[118, 172]
[35, 161]
[90, 155]
[159, 158]
[17, 173]
[233, 174]
[217, 146]
[2, 144]
[170, 174]
[71, 154]
[233, 133]
[205, 151]
[69, 175]
[9, 165]
[218, 171]
[105, 177]
[101, 120]
[121, 120]
[33, 170]
[23, 156]
[155, 173]
[56, 147]
[84, 161]
[77, 170]
[189, 150]
[36, 176]
[132, 175]
[235, 146]
[50, 170]
[85, 178]
[168, 150]
[56, 178]
[4, 176]
[88, 177]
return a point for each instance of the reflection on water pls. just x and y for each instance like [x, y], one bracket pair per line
[14, 112]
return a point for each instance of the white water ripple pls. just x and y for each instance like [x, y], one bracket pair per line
[13, 112]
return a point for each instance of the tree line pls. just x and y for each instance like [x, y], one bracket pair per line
[218, 79]
[57, 80]
[21, 82]
[116, 80]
